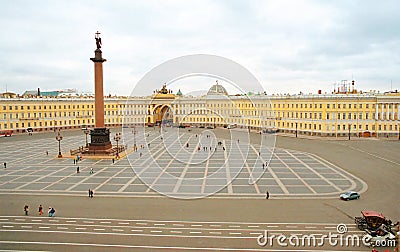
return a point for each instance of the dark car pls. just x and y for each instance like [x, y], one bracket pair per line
[350, 195]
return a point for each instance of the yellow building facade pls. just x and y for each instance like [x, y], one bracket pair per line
[334, 115]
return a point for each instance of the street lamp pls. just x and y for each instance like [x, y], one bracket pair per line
[117, 138]
[86, 131]
[59, 138]
[296, 130]
[349, 130]
[134, 138]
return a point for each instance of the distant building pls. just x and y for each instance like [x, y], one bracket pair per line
[337, 114]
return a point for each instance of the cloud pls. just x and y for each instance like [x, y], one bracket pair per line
[289, 46]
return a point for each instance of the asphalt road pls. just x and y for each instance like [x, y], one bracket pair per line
[374, 161]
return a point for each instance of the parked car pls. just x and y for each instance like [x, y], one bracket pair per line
[350, 195]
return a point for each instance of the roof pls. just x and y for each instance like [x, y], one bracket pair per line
[217, 89]
[372, 213]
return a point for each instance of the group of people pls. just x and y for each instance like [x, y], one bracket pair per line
[90, 193]
[51, 212]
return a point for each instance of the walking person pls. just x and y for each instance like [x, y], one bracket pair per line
[74, 161]
[91, 170]
[47, 153]
[90, 192]
[263, 166]
[26, 209]
[113, 160]
[40, 210]
[77, 169]
[267, 195]
[5, 165]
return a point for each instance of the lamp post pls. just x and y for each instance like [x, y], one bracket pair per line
[134, 138]
[349, 130]
[86, 131]
[59, 138]
[296, 130]
[117, 138]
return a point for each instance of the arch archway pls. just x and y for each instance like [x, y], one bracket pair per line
[162, 114]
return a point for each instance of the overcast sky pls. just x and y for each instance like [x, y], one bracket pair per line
[289, 46]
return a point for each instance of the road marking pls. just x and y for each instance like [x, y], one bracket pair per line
[288, 226]
[98, 229]
[105, 222]
[90, 222]
[309, 227]
[6, 226]
[235, 233]
[215, 225]
[196, 225]
[3, 219]
[159, 224]
[136, 230]
[70, 221]
[80, 228]
[54, 220]
[118, 230]
[195, 232]
[26, 226]
[256, 233]
[141, 223]
[123, 223]
[20, 219]
[213, 232]
[253, 226]
[234, 226]
[149, 246]
[155, 231]
[64, 228]
[45, 227]
[272, 226]
[177, 232]
[36, 220]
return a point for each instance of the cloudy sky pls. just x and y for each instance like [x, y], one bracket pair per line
[289, 46]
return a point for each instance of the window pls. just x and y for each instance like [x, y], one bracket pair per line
[327, 105]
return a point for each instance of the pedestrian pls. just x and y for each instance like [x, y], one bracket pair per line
[5, 165]
[26, 209]
[40, 210]
[52, 211]
[90, 192]
[113, 160]
[267, 195]
[91, 170]
[77, 169]
[140, 154]
[47, 153]
[74, 161]
[263, 166]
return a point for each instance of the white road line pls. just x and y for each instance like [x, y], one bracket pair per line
[141, 223]
[235, 233]
[195, 232]
[136, 230]
[26, 226]
[196, 225]
[215, 225]
[20, 219]
[3, 219]
[98, 229]
[272, 226]
[310, 227]
[234, 226]
[64, 228]
[288, 226]
[44, 227]
[176, 232]
[80, 228]
[253, 226]
[149, 247]
[36, 220]
[7, 226]
[213, 232]
[123, 223]
[256, 233]
[105, 222]
[70, 221]
[159, 224]
[155, 231]
[90, 222]
[118, 230]
[54, 220]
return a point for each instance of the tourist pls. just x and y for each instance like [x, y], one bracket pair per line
[74, 161]
[26, 209]
[91, 170]
[52, 211]
[40, 210]
[267, 195]
[113, 160]
[47, 153]
[90, 192]
[5, 165]
[263, 166]
[77, 169]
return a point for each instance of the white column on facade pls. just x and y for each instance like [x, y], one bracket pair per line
[376, 112]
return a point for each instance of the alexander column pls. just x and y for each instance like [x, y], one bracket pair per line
[100, 135]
